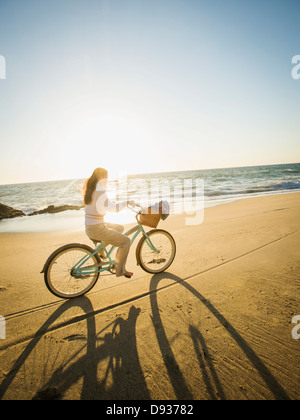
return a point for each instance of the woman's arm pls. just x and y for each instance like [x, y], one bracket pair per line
[113, 207]
[104, 204]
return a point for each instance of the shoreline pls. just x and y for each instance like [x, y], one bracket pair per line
[73, 220]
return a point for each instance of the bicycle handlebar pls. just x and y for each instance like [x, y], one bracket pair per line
[133, 208]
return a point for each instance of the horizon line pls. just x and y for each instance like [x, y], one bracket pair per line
[159, 172]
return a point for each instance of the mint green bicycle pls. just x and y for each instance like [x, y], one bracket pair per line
[74, 269]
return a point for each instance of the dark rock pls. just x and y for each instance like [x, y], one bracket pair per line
[7, 212]
[52, 209]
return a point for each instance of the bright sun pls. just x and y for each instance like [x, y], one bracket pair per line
[115, 142]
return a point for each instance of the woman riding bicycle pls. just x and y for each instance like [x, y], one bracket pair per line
[97, 204]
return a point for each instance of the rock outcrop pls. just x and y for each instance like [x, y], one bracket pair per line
[56, 209]
[7, 212]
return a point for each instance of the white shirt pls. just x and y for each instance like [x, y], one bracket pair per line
[100, 205]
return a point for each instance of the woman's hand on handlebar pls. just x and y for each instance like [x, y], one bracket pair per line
[131, 203]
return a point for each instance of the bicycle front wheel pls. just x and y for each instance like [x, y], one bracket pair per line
[59, 274]
[156, 261]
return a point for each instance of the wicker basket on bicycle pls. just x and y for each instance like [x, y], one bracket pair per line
[152, 215]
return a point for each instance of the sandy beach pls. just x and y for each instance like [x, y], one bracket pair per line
[216, 325]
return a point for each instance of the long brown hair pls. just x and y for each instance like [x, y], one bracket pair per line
[91, 183]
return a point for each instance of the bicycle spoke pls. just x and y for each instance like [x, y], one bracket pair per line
[154, 262]
[60, 278]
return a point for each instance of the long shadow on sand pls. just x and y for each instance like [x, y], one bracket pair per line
[120, 375]
[177, 380]
[106, 363]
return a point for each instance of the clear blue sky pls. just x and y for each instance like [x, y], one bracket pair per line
[146, 85]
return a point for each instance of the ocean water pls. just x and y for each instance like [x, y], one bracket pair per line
[185, 191]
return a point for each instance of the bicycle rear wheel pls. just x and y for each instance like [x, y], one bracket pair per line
[58, 274]
[156, 262]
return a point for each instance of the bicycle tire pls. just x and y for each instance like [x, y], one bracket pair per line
[49, 273]
[140, 258]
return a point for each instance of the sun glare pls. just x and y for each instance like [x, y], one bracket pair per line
[112, 141]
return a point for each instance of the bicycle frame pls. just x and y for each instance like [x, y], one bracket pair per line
[78, 270]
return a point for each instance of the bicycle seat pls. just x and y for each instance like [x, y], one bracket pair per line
[96, 242]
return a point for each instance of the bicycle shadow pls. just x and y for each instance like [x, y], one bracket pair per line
[122, 378]
[178, 382]
[105, 363]
[209, 373]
